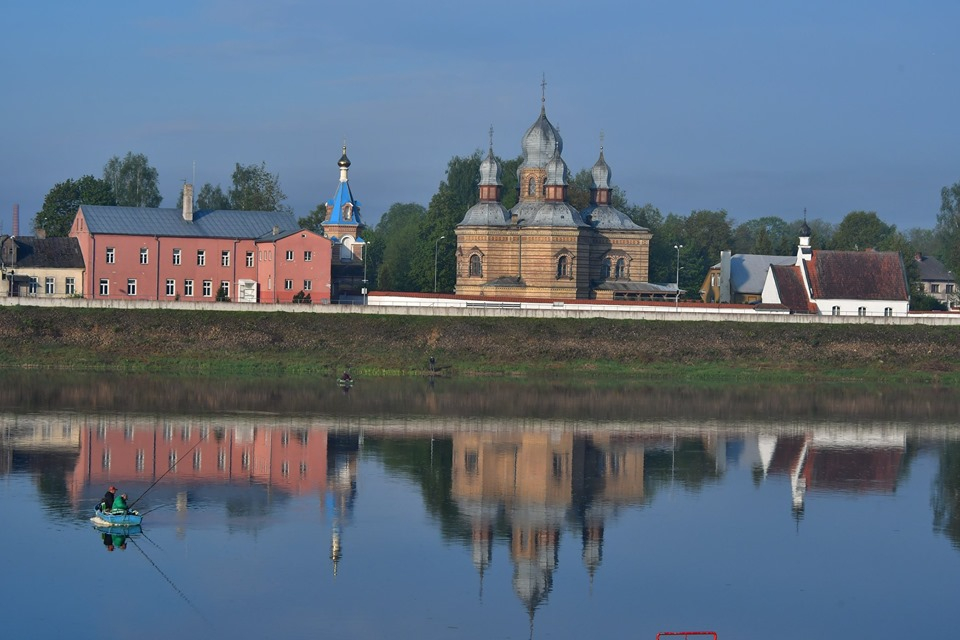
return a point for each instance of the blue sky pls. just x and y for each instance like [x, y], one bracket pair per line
[761, 108]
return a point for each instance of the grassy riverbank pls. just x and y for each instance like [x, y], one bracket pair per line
[256, 344]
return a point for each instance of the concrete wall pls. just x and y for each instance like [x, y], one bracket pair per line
[458, 307]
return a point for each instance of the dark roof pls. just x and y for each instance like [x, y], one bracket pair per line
[790, 287]
[50, 253]
[932, 269]
[857, 275]
[140, 221]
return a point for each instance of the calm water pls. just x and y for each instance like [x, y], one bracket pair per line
[478, 510]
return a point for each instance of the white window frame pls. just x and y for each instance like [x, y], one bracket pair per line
[49, 286]
[250, 258]
[290, 255]
[188, 288]
[131, 286]
[144, 255]
[288, 285]
[308, 285]
[171, 287]
[176, 257]
[208, 288]
[111, 255]
[70, 286]
[225, 258]
[104, 287]
[308, 256]
[201, 257]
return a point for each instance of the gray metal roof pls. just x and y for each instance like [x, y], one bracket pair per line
[748, 271]
[556, 214]
[540, 143]
[607, 217]
[932, 269]
[138, 221]
[486, 214]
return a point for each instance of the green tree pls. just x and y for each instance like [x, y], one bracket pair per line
[769, 235]
[212, 198]
[388, 247]
[256, 189]
[948, 227]
[314, 220]
[862, 230]
[61, 203]
[706, 233]
[133, 181]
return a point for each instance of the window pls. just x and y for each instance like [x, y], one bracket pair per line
[171, 287]
[201, 257]
[249, 258]
[224, 258]
[48, 287]
[531, 187]
[140, 459]
[307, 256]
[307, 285]
[289, 256]
[934, 288]
[888, 311]
[207, 288]
[131, 286]
[288, 285]
[861, 311]
[836, 311]
[104, 287]
[176, 257]
[144, 255]
[34, 285]
[562, 267]
[949, 288]
[621, 271]
[111, 255]
[476, 266]
[197, 459]
[70, 286]
[225, 288]
[188, 288]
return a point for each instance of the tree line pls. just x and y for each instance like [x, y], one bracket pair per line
[410, 241]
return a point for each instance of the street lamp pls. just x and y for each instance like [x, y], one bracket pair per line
[678, 247]
[363, 249]
[436, 253]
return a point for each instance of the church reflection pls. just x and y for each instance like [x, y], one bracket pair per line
[519, 488]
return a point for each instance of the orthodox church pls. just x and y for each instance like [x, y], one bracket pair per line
[543, 247]
[342, 227]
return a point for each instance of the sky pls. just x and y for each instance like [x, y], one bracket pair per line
[756, 107]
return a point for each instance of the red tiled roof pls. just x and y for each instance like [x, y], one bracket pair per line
[790, 287]
[857, 275]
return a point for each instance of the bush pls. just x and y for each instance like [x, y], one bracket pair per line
[302, 298]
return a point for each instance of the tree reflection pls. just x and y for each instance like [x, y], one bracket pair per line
[946, 494]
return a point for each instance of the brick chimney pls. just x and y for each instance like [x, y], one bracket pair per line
[188, 202]
[40, 233]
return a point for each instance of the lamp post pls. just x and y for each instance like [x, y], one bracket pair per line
[436, 254]
[363, 248]
[677, 299]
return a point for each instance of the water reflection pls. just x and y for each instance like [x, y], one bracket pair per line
[523, 484]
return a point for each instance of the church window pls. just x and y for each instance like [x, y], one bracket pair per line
[476, 267]
[836, 311]
[563, 267]
[888, 311]
[861, 311]
[532, 187]
[605, 269]
[621, 271]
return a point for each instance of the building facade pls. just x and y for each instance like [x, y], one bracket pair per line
[343, 226]
[41, 267]
[543, 247]
[140, 253]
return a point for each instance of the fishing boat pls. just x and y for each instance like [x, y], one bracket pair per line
[107, 519]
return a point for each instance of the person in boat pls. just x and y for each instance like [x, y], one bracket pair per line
[120, 504]
[107, 503]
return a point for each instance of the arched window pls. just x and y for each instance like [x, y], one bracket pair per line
[862, 311]
[888, 311]
[605, 269]
[621, 271]
[476, 267]
[532, 187]
[836, 311]
[562, 267]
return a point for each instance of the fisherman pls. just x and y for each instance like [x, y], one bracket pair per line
[433, 364]
[346, 376]
[107, 503]
[120, 504]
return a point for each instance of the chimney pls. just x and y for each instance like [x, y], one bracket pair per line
[16, 219]
[188, 202]
[276, 230]
[41, 234]
[725, 276]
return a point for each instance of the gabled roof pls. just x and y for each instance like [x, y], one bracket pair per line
[857, 275]
[790, 288]
[748, 271]
[48, 253]
[932, 270]
[139, 221]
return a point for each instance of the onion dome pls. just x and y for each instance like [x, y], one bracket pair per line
[344, 161]
[601, 173]
[804, 229]
[540, 143]
[557, 171]
[490, 171]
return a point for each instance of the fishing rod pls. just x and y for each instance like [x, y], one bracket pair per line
[202, 438]
[169, 581]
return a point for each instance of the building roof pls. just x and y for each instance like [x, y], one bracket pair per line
[540, 143]
[140, 221]
[748, 271]
[932, 270]
[790, 288]
[47, 253]
[857, 275]
[486, 214]
[603, 216]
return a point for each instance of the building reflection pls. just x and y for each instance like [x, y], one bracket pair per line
[520, 487]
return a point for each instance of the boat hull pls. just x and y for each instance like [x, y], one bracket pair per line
[116, 519]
